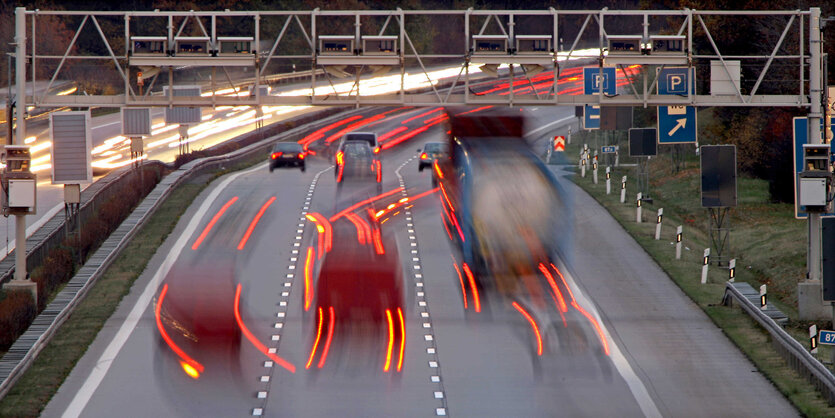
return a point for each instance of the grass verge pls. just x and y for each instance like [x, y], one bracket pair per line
[764, 240]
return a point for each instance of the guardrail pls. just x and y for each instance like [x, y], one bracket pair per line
[27, 347]
[792, 351]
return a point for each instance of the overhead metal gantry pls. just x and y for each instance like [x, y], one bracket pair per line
[354, 44]
[348, 44]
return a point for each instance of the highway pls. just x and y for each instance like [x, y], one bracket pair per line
[630, 343]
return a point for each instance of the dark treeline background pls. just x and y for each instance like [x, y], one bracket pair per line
[762, 135]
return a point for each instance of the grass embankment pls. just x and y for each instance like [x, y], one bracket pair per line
[767, 242]
[38, 384]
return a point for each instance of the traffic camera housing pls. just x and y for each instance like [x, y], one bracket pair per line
[18, 196]
[816, 178]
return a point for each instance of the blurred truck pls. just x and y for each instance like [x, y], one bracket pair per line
[502, 207]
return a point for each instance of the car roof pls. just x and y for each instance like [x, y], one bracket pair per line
[287, 146]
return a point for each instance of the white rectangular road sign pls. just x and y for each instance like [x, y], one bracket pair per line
[71, 147]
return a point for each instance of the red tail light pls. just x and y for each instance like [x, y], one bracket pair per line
[301, 155]
[275, 155]
[423, 156]
[377, 150]
[340, 158]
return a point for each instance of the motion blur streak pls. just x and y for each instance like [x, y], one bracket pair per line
[438, 170]
[320, 133]
[402, 338]
[560, 301]
[387, 366]
[363, 230]
[254, 222]
[249, 336]
[378, 242]
[351, 127]
[328, 339]
[471, 279]
[392, 133]
[478, 109]
[316, 342]
[328, 234]
[180, 353]
[460, 280]
[588, 316]
[363, 203]
[411, 134]
[533, 325]
[308, 293]
[443, 218]
[212, 223]
[422, 115]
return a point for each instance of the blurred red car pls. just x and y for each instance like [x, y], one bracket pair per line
[359, 294]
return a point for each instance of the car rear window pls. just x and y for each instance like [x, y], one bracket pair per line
[436, 147]
[288, 147]
[358, 149]
[370, 138]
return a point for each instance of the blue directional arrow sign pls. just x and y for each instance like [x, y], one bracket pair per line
[676, 124]
[594, 80]
[591, 117]
[673, 80]
[801, 136]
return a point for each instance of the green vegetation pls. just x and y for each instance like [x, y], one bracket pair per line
[768, 243]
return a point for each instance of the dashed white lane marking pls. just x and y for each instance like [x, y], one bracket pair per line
[107, 357]
[428, 336]
[278, 326]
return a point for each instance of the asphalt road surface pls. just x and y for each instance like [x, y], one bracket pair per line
[630, 344]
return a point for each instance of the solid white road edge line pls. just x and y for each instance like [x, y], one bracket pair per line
[82, 397]
[636, 385]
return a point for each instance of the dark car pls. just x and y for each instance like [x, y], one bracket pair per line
[355, 160]
[432, 151]
[369, 137]
[287, 154]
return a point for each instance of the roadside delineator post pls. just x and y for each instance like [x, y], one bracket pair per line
[732, 270]
[594, 167]
[638, 209]
[583, 167]
[813, 339]
[678, 242]
[623, 189]
[658, 223]
[763, 299]
[705, 263]
[608, 180]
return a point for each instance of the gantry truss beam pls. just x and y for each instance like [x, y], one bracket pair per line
[351, 44]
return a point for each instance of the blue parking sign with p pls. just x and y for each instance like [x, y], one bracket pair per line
[597, 78]
[674, 80]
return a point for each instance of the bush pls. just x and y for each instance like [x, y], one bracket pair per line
[17, 311]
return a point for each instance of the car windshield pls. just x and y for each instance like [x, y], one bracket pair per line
[287, 147]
